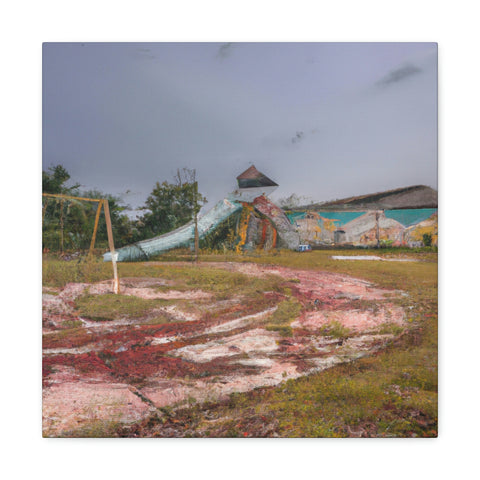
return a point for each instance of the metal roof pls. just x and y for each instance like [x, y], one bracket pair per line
[251, 177]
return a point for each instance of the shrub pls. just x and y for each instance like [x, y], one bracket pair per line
[427, 239]
[336, 330]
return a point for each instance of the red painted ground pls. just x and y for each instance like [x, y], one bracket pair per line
[123, 369]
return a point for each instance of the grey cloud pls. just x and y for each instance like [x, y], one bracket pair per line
[224, 50]
[118, 120]
[398, 75]
[298, 136]
[145, 53]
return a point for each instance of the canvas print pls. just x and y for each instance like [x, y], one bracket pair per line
[239, 240]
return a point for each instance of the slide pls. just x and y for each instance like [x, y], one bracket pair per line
[181, 237]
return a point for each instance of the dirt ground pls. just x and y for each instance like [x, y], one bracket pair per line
[125, 368]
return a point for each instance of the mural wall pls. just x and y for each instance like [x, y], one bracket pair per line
[402, 227]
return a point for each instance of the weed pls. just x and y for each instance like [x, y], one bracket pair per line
[96, 429]
[57, 273]
[72, 323]
[159, 319]
[287, 311]
[336, 330]
[283, 330]
[110, 307]
[390, 328]
[280, 320]
[287, 292]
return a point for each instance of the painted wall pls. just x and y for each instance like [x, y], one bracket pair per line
[390, 227]
[411, 216]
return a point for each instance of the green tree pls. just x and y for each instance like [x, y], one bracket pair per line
[171, 205]
[55, 210]
[54, 179]
[123, 228]
[68, 223]
[427, 239]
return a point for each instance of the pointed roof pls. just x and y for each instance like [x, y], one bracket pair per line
[251, 178]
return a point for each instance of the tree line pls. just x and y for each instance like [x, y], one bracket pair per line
[68, 223]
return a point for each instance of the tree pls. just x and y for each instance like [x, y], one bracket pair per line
[123, 228]
[68, 223]
[54, 179]
[427, 239]
[171, 205]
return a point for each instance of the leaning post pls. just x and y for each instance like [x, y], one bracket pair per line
[95, 227]
[111, 245]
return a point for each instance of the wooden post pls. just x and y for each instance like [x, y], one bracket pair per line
[44, 210]
[61, 225]
[196, 221]
[111, 245]
[97, 217]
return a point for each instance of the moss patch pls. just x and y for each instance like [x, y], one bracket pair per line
[280, 320]
[336, 330]
[115, 307]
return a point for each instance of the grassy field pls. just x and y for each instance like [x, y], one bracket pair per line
[390, 394]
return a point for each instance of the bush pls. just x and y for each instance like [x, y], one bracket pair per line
[336, 330]
[427, 239]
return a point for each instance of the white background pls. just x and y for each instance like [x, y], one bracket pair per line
[25, 25]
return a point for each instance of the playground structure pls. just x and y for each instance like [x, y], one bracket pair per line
[102, 202]
[261, 223]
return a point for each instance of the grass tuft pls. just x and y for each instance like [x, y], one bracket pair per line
[336, 330]
[113, 307]
[287, 312]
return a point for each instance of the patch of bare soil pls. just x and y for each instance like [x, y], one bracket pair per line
[119, 370]
[356, 320]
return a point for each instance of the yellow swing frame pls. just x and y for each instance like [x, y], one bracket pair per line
[101, 202]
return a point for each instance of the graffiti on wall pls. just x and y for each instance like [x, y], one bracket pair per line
[402, 227]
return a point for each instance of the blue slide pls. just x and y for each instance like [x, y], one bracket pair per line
[181, 237]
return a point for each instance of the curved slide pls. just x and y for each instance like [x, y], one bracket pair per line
[181, 237]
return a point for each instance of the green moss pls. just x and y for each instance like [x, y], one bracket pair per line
[286, 312]
[336, 330]
[283, 330]
[72, 323]
[114, 307]
[96, 429]
[390, 328]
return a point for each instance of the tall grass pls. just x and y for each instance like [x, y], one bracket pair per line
[221, 283]
[57, 273]
[287, 312]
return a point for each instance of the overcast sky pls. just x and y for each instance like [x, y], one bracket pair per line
[323, 120]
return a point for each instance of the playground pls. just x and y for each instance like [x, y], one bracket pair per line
[187, 337]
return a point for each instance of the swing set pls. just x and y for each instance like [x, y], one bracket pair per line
[102, 202]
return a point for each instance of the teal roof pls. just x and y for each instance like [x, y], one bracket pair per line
[411, 216]
[406, 217]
